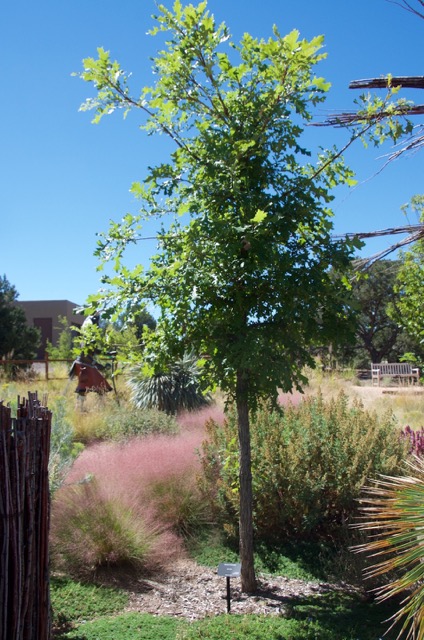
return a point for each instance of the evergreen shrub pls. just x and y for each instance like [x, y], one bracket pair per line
[309, 463]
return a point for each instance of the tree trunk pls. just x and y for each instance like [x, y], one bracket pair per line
[248, 578]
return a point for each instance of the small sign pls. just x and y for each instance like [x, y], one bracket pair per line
[229, 570]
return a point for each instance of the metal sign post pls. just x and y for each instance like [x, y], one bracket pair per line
[229, 570]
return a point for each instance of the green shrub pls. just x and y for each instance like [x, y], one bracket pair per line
[63, 449]
[308, 464]
[127, 422]
[91, 530]
[65, 342]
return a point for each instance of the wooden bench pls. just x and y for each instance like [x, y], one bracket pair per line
[400, 370]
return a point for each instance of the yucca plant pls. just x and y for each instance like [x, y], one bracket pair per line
[174, 390]
[393, 514]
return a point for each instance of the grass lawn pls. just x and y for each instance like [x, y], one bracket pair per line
[336, 617]
[87, 612]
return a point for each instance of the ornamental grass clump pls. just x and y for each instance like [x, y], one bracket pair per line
[92, 530]
[126, 422]
[130, 466]
[128, 505]
[309, 463]
[178, 502]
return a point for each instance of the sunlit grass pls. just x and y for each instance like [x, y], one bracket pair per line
[89, 415]
[406, 402]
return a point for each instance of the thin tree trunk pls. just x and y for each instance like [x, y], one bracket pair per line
[248, 578]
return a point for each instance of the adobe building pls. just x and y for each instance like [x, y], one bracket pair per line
[45, 315]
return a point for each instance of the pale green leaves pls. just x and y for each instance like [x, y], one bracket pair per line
[308, 49]
[411, 276]
[111, 245]
[111, 84]
[291, 40]
[383, 118]
[321, 84]
[259, 217]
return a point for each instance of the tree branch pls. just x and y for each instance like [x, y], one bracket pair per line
[405, 5]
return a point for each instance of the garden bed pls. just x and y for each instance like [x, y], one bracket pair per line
[193, 592]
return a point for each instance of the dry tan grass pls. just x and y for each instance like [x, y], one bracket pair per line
[406, 402]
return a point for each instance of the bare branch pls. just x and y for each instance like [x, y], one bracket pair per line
[352, 117]
[416, 232]
[407, 6]
[411, 229]
[385, 82]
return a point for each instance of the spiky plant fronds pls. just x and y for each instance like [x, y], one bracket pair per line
[393, 516]
[177, 389]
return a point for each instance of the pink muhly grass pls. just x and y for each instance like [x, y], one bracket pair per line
[126, 469]
[197, 419]
[91, 530]
[290, 399]
[145, 485]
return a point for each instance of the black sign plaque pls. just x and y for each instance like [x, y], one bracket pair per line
[229, 570]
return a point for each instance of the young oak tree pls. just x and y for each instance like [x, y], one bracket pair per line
[242, 273]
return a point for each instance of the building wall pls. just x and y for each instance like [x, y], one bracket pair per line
[45, 314]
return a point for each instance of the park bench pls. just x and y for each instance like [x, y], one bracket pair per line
[399, 370]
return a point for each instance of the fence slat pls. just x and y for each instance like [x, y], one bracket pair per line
[24, 528]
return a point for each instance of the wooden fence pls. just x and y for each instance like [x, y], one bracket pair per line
[24, 521]
[43, 364]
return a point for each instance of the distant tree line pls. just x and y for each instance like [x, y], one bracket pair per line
[382, 330]
[18, 341]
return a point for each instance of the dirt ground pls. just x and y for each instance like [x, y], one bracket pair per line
[191, 591]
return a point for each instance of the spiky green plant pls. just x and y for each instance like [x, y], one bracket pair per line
[174, 390]
[393, 516]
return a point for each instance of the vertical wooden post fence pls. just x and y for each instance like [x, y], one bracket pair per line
[24, 521]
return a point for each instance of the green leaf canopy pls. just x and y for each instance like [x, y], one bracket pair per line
[246, 272]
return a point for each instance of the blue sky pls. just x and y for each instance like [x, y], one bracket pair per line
[63, 179]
